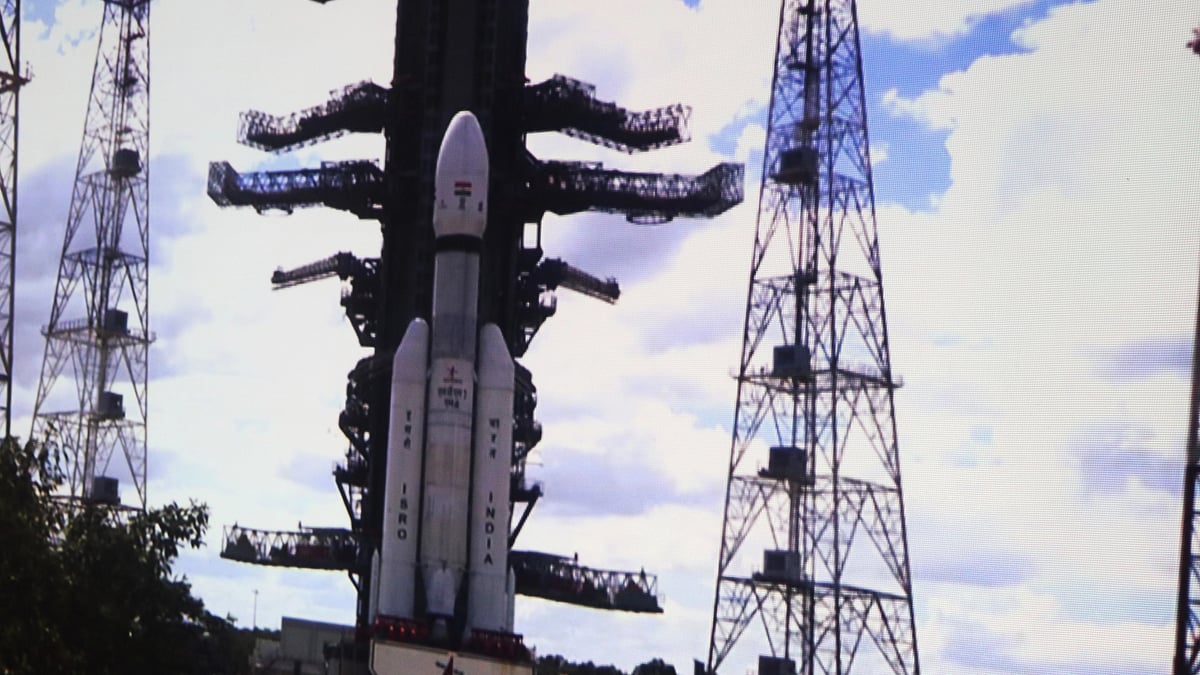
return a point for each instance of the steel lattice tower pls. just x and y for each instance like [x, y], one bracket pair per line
[1187, 623]
[11, 81]
[814, 550]
[98, 334]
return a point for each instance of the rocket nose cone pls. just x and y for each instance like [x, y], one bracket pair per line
[461, 180]
[463, 141]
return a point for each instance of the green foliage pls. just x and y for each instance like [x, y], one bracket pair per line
[557, 665]
[554, 664]
[655, 667]
[90, 588]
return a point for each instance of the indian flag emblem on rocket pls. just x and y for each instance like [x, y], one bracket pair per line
[462, 188]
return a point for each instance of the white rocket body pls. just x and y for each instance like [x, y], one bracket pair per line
[402, 492]
[487, 605]
[450, 428]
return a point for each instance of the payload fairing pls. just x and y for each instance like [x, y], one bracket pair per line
[443, 560]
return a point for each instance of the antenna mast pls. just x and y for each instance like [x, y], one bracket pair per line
[814, 549]
[99, 330]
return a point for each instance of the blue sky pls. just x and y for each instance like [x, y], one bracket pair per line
[1036, 199]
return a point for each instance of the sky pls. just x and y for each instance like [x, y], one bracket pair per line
[1036, 201]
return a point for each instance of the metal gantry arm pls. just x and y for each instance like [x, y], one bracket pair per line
[358, 107]
[355, 186]
[359, 300]
[646, 198]
[569, 106]
[536, 279]
[563, 579]
[555, 272]
[537, 574]
[309, 548]
[559, 104]
[342, 265]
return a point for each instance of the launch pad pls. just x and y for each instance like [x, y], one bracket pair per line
[395, 657]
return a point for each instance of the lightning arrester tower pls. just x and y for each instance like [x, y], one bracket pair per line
[1187, 624]
[11, 81]
[813, 575]
[1186, 657]
[98, 337]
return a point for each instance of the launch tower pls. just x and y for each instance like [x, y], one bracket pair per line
[11, 81]
[813, 574]
[452, 56]
[91, 399]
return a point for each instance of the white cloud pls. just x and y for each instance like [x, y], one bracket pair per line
[930, 21]
[1065, 237]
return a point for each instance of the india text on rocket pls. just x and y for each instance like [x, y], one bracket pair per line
[443, 559]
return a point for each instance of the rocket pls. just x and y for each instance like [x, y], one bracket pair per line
[443, 558]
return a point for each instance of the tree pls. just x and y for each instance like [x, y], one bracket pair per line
[655, 667]
[30, 600]
[90, 588]
[553, 664]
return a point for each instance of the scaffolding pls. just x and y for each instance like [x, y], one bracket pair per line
[646, 198]
[358, 107]
[355, 186]
[570, 107]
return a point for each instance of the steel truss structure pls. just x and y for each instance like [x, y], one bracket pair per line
[355, 186]
[98, 337]
[561, 104]
[570, 187]
[570, 106]
[814, 552]
[356, 107]
[541, 575]
[1187, 615]
[11, 81]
